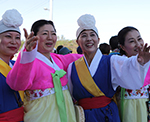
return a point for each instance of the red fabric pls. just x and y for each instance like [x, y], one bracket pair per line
[15, 115]
[94, 102]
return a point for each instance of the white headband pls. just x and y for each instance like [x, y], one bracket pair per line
[86, 22]
[11, 20]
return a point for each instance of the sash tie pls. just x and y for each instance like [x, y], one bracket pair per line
[59, 94]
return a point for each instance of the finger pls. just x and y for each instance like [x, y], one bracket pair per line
[139, 49]
[148, 47]
[31, 46]
[32, 39]
[25, 33]
[31, 35]
[34, 44]
[145, 47]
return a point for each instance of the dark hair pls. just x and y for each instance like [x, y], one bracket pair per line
[121, 36]
[113, 42]
[105, 48]
[59, 47]
[39, 23]
[79, 50]
[64, 51]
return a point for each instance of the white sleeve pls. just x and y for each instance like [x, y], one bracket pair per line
[69, 78]
[27, 57]
[127, 72]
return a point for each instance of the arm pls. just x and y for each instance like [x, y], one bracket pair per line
[67, 59]
[127, 72]
[22, 74]
[69, 78]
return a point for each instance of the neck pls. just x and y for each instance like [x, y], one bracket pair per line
[5, 59]
[47, 55]
[89, 57]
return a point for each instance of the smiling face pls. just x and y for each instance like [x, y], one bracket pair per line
[133, 40]
[9, 43]
[47, 39]
[88, 41]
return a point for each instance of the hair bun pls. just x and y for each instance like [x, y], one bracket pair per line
[12, 18]
[86, 21]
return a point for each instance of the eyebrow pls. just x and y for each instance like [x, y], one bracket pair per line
[47, 31]
[83, 33]
[18, 34]
[130, 39]
[133, 38]
[86, 33]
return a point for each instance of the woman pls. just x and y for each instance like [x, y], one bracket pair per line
[133, 103]
[41, 74]
[10, 41]
[94, 77]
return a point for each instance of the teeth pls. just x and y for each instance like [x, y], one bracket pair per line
[89, 44]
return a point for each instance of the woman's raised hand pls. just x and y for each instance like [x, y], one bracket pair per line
[31, 40]
[144, 55]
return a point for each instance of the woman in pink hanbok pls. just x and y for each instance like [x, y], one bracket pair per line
[41, 74]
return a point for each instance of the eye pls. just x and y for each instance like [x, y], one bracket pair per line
[92, 34]
[18, 37]
[53, 33]
[44, 33]
[8, 36]
[84, 35]
[139, 39]
[131, 40]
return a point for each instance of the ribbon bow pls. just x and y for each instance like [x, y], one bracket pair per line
[59, 94]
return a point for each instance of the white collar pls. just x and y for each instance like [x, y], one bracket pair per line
[95, 62]
[47, 61]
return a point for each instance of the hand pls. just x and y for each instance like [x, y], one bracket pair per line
[144, 55]
[31, 40]
[25, 33]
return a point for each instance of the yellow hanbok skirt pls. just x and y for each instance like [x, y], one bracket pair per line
[45, 109]
[134, 110]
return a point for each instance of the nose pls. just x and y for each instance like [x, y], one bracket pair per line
[49, 36]
[13, 41]
[140, 45]
[89, 38]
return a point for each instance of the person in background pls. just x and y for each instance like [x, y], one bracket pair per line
[114, 46]
[41, 74]
[64, 51]
[10, 41]
[58, 48]
[132, 105]
[93, 78]
[105, 48]
[79, 50]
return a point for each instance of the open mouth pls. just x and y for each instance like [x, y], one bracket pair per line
[49, 44]
[137, 50]
[89, 45]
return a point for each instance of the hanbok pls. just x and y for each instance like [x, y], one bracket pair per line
[9, 109]
[108, 72]
[32, 73]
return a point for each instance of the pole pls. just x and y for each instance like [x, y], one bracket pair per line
[51, 10]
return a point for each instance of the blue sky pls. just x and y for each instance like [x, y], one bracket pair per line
[110, 15]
